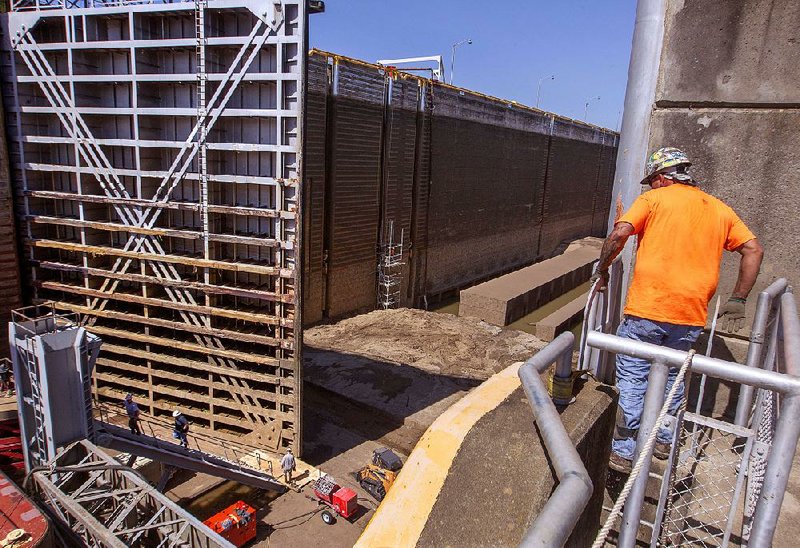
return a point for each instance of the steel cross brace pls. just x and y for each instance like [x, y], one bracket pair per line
[107, 177]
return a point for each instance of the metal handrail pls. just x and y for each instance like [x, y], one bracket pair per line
[787, 432]
[757, 336]
[601, 313]
[562, 510]
[38, 5]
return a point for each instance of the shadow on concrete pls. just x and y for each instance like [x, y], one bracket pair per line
[383, 401]
[719, 397]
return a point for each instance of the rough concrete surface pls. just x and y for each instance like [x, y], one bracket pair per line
[502, 475]
[502, 300]
[552, 325]
[734, 52]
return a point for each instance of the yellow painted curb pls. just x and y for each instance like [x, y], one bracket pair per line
[402, 515]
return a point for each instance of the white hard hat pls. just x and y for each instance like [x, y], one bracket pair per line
[176, 413]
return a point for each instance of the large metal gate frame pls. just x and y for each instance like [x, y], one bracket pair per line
[156, 156]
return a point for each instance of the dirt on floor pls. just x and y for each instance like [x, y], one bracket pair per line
[441, 344]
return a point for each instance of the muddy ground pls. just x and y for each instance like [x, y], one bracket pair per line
[376, 380]
[442, 344]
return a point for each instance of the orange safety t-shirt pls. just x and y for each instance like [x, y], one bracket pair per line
[682, 232]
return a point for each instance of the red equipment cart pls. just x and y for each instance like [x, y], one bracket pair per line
[236, 523]
[341, 500]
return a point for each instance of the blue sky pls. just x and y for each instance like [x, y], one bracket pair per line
[586, 44]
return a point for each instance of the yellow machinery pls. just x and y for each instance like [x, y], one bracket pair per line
[378, 477]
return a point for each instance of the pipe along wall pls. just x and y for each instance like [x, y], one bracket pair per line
[478, 185]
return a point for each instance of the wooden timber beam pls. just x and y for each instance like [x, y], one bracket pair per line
[274, 397]
[190, 206]
[194, 396]
[150, 301]
[171, 233]
[180, 326]
[225, 418]
[202, 366]
[191, 347]
[184, 284]
[174, 259]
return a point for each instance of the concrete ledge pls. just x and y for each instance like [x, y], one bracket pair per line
[504, 300]
[552, 325]
[480, 474]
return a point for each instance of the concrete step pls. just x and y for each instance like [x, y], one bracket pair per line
[563, 319]
[505, 299]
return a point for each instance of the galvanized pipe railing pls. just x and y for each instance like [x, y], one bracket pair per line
[787, 432]
[754, 351]
[557, 519]
[653, 401]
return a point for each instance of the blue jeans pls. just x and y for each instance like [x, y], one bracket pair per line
[632, 376]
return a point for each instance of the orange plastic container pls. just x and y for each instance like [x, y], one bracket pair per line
[236, 523]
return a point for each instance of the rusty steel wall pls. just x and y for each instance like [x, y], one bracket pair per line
[478, 185]
[155, 160]
[10, 290]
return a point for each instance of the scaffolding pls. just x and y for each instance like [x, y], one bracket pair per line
[98, 502]
[390, 268]
[155, 155]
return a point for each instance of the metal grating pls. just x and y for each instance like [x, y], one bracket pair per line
[155, 152]
[704, 502]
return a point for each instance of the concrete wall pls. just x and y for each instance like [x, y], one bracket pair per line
[727, 93]
[478, 185]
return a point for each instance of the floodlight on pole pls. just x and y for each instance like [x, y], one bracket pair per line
[586, 106]
[453, 58]
[539, 87]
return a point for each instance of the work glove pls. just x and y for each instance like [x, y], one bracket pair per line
[601, 275]
[731, 316]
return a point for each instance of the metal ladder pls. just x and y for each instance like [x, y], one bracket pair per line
[200, 7]
[37, 446]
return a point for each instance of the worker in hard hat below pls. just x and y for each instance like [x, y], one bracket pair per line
[288, 465]
[181, 428]
[133, 414]
[682, 232]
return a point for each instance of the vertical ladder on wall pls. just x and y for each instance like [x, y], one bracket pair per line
[37, 445]
[390, 268]
[202, 157]
[86, 378]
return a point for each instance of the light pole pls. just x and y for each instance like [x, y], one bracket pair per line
[453, 58]
[539, 87]
[586, 106]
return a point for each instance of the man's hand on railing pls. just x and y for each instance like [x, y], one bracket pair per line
[602, 277]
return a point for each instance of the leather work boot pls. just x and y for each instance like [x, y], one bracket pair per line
[619, 464]
[661, 450]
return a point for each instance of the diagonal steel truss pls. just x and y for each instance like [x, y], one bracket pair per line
[146, 217]
[105, 504]
[140, 218]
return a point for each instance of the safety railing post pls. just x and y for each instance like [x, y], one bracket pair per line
[653, 401]
[776, 478]
[754, 351]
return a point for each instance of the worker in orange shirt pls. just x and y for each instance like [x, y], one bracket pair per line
[682, 232]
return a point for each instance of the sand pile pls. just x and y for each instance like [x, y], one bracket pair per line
[438, 343]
